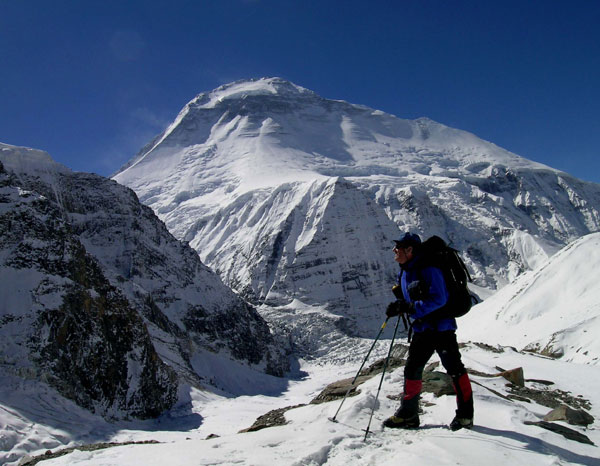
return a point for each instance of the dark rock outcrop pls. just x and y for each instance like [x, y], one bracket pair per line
[576, 417]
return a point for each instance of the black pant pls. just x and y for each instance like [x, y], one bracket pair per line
[421, 349]
[423, 345]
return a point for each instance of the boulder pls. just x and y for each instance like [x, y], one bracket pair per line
[576, 417]
[438, 383]
[514, 376]
[338, 389]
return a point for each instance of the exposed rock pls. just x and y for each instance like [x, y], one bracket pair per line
[518, 392]
[377, 367]
[548, 350]
[271, 419]
[514, 376]
[337, 390]
[79, 332]
[540, 381]
[549, 398]
[493, 349]
[103, 303]
[438, 383]
[577, 417]
[481, 374]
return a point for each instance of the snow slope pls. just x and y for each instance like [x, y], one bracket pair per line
[554, 309]
[500, 436]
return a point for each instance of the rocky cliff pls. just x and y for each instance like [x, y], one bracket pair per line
[102, 303]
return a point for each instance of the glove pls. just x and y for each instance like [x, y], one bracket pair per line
[399, 307]
[393, 309]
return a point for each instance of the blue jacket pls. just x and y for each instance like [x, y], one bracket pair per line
[435, 295]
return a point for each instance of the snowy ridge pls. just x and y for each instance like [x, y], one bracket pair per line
[275, 124]
[553, 310]
[23, 160]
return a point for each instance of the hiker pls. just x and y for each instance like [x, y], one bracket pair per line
[423, 291]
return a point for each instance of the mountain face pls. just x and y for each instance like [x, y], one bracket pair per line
[294, 200]
[102, 303]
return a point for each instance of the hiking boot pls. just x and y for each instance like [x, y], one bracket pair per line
[461, 423]
[399, 422]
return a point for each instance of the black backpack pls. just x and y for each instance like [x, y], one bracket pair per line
[435, 252]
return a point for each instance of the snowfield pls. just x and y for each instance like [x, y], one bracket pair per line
[310, 438]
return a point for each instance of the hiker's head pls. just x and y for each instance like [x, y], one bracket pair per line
[406, 247]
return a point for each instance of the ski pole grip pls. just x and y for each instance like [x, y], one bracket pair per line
[397, 290]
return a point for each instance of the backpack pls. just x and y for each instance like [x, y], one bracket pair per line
[435, 252]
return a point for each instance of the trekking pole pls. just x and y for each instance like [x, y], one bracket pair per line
[381, 381]
[361, 366]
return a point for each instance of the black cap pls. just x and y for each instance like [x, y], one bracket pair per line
[408, 239]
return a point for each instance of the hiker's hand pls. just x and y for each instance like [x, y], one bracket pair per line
[406, 307]
[393, 309]
[399, 307]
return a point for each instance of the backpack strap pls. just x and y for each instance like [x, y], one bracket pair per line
[408, 323]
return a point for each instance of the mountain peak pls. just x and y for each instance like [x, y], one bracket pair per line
[249, 132]
[241, 89]
[23, 160]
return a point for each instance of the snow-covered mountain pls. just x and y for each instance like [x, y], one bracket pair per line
[294, 200]
[553, 310]
[101, 302]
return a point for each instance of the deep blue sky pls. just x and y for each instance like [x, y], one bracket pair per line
[92, 81]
